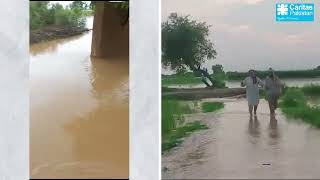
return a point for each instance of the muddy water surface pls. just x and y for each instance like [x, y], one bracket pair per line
[237, 147]
[79, 112]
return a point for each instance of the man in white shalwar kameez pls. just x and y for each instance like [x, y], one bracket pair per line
[252, 84]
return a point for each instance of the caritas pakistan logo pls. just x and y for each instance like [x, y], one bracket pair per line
[294, 12]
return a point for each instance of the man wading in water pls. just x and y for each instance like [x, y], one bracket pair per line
[273, 87]
[252, 83]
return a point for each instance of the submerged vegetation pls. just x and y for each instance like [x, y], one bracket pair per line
[211, 106]
[174, 138]
[174, 127]
[294, 104]
[172, 117]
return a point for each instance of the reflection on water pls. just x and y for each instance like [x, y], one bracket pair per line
[254, 129]
[42, 48]
[273, 128]
[79, 112]
[237, 146]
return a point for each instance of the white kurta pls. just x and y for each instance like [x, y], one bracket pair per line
[252, 90]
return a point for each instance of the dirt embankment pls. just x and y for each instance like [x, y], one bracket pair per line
[54, 32]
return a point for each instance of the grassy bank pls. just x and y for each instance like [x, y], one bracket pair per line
[294, 104]
[172, 122]
[50, 21]
[174, 127]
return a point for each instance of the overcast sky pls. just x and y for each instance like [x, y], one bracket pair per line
[246, 34]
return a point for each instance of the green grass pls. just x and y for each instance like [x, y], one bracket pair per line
[211, 106]
[172, 117]
[172, 114]
[294, 105]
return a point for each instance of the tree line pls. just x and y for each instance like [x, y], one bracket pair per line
[44, 13]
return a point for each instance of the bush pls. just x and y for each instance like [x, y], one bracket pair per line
[293, 98]
[294, 104]
[219, 80]
[44, 14]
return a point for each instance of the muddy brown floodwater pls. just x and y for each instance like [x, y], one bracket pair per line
[236, 147]
[79, 112]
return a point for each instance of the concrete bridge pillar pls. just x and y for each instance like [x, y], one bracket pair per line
[110, 36]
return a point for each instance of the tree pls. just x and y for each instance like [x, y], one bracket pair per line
[217, 69]
[186, 46]
[44, 13]
[79, 4]
[219, 76]
[39, 13]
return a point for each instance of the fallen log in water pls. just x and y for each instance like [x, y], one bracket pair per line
[200, 93]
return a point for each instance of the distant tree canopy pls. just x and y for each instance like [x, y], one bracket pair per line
[44, 13]
[186, 45]
[80, 5]
[217, 69]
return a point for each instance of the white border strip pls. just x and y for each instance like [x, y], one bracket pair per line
[144, 89]
[14, 91]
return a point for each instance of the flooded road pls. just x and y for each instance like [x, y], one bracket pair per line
[236, 147]
[79, 125]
